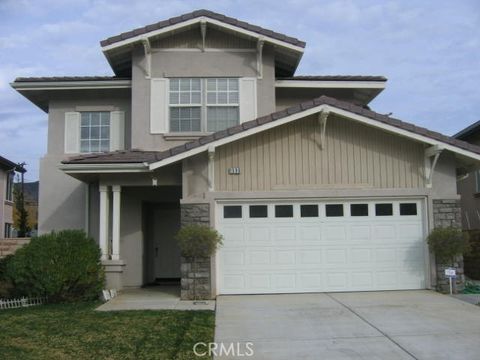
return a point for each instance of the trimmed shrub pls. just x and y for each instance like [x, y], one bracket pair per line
[198, 240]
[448, 243]
[472, 259]
[64, 266]
[6, 286]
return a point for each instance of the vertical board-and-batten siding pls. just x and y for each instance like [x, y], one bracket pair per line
[214, 39]
[290, 157]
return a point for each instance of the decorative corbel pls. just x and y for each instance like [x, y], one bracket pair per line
[203, 30]
[322, 121]
[211, 168]
[260, 44]
[148, 56]
[431, 158]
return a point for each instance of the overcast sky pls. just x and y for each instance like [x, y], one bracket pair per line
[428, 50]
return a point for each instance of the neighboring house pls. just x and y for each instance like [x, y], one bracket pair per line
[205, 122]
[469, 184]
[7, 177]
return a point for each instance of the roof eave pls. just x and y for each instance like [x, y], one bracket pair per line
[71, 85]
[141, 37]
[317, 109]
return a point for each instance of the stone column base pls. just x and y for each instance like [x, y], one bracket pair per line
[195, 279]
[443, 283]
[113, 273]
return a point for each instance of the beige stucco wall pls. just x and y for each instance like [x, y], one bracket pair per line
[290, 157]
[62, 198]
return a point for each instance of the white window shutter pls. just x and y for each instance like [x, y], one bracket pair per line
[159, 106]
[72, 132]
[117, 130]
[248, 99]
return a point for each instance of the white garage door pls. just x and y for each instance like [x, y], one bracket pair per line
[317, 246]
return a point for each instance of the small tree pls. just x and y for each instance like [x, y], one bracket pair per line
[448, 243]
[198, 241]
[21, 218]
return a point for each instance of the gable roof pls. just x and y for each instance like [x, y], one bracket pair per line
[469, 130]
[117, 49]
[197, 14]
[155, 159]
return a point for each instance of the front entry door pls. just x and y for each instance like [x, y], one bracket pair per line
[164, 253]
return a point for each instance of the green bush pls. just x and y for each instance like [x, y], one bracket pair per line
[64, 266]
[6, 286]
[198, 240]
[448, 243]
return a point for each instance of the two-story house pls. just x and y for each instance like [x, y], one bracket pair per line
[206, 122]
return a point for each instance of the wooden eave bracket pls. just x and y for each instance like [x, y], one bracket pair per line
[260, 44]
[148, 56]
[322, 120]
[432, 154]
[211, 168]
[203, 30]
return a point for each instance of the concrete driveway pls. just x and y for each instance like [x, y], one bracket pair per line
[367, 325]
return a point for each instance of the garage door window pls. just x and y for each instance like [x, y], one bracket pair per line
[359, 209]
[309, 210]
[383, 209]
[408, 209]
[283, 211]
[232, 212]
[334, 210]
[258, 211]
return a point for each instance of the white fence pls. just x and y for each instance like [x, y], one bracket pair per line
[22, 302]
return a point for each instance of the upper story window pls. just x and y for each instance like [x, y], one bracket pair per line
[9, 186]
[94, 131]
[199, 105]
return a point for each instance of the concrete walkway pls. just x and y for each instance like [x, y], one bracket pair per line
[369, 325]
[154, 298]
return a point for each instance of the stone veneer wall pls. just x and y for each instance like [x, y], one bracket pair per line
[195, 272]
[446, 213]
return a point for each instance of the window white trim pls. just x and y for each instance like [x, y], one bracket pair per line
[204, 104]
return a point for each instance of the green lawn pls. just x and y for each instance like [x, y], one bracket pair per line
[79, 332]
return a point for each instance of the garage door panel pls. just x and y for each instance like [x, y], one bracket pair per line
[336, 256]
[258, 235]
[319, 253]
[259, 257]
[310, 281]
[309, 257]
[334, 233]
[310, 234]
[285, 257]
[360, 232]
[283, 233]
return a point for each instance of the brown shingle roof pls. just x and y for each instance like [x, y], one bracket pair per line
[196, 14]
[115, 157]
[154, 156]
[335, 78]
[69, 78]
